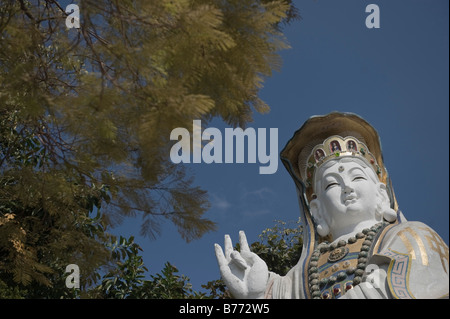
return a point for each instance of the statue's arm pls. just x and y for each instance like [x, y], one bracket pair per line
[289, 286]
[278, 287]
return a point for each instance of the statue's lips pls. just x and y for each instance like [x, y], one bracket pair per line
[350, 199]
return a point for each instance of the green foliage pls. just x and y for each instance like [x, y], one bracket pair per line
[36, 245]
[46, 217]
[99, 102]
[85, 122]
[168, 285]
[7, 292]
[126, 276]
[280, 247]
[217, 289]
[126, 280]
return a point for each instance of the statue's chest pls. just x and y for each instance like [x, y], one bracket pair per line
[336, 268]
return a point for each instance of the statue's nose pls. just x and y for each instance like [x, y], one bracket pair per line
[347, 189]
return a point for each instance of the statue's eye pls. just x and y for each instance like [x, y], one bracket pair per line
[359, 178]
[331, 185]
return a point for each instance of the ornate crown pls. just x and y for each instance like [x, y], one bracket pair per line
[334, 147]
[353, 136]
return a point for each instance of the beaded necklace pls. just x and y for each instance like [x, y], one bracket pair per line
[345, 274]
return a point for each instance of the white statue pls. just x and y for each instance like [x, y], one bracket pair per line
[356, 244]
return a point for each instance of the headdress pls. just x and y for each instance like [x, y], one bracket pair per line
[332, 148]
[322, 138]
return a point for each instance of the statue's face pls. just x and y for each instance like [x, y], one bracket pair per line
[346, 189]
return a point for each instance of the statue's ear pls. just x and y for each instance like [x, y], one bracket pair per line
[317, 213]
[386, 211]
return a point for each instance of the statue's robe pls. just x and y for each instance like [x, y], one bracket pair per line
[413, 258]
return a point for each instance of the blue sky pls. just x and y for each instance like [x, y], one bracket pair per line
[396, 77]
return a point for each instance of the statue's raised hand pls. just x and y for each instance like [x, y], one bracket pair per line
[244, 273]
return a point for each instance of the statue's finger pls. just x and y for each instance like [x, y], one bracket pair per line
[243, 241]
[228, 247]
[225, 270]
[221, 260]
[238, 260]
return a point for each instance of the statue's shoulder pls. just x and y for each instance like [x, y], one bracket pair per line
[418, 256]
[409, 236]
[411, 228]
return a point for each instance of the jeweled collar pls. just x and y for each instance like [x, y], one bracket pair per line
[338, 267]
